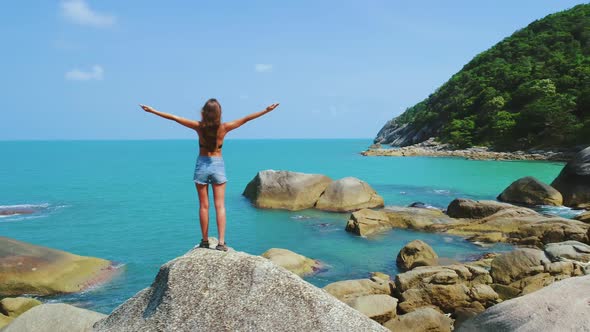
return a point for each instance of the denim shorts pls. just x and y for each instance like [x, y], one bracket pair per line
[210, 170]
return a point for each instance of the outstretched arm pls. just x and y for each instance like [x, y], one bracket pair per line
[239, 122]
[185, 122]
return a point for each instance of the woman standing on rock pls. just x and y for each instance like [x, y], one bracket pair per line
[210, 168]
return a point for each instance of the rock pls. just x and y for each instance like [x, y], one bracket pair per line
[573, 250]
[35, 270]
[562, 306]
[379, 308]
[210, 290]
[574, 181]
[421, 320]
[298, 264]
[530, 191]
[10, 308]
[348, 194]
[445, 288]
[55, 317]
[470, 209]
[293, 191]
[347, 290]
[517, 264]
[402, 134]
[414, 254]
[367, 222]
[10, 211]
[415, 218]
[584, 217]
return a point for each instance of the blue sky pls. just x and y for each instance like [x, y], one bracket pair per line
[76, 69]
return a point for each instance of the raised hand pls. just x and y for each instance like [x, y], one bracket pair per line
[272, 107]
[147, 108]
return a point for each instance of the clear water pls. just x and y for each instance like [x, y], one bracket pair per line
[134, 202]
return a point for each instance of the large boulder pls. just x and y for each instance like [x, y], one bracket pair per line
[562, 306]
[36, 270]
[349, 194]
[347, 290]
[209, 290]
[55, 317]
[12, 307]
[574, 181]
[470, 209]
[530, 191]
[415, 218]
[414, 254]
[526, 270]
[570, 250]
[421, 320]
[367, 222]
[445, 288]
[293, 191]
[379, 307]
[584, 217]
[294, 262]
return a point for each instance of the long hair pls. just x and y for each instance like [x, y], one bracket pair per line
[210, 122]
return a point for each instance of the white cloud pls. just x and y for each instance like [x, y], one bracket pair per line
[96, 73]
[263, 67]
[79, 12]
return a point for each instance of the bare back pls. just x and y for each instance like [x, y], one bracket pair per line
[203, 151]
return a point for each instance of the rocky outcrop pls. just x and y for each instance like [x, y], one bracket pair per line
[35, 270]
[10, 308]
[286, 190]
[366, 222]
[415, 218]
[446, 288]
[414, 254]
[403, 134]
[530, 191]
[470, 209]
[433, 148]
[56, 317]
[294, 262]
[421, 320]
[562, 306]
[348, 194]
[378, 307]
[209, 290]
[574, 181]
[526, 270]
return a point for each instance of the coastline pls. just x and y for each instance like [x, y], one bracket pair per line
[431, 148]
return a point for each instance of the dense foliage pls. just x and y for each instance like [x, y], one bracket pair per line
[530, 90]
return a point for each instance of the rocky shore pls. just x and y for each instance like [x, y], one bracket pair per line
[432, 148]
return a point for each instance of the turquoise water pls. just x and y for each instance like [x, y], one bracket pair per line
[134, 202]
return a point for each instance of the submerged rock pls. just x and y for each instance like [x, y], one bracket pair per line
[55, 317]
[414, 254]
[209, 290]
[293, 191]
[36, 270]
[562, 306]
[530, 191]
[349, 194]
[294, 262]
[574, 181]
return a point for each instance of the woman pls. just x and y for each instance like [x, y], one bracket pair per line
[210, 168]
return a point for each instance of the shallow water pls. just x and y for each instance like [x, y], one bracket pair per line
[134, 202]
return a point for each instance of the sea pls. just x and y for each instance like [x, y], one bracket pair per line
[135, 203]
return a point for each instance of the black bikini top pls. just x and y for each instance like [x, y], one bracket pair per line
[202, 146]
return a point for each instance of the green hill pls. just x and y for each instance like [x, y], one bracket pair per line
[530, 90]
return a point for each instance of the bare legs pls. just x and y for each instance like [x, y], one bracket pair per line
[219, 198]
[203, 191]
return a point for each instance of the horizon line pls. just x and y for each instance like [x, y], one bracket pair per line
[176, 139]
